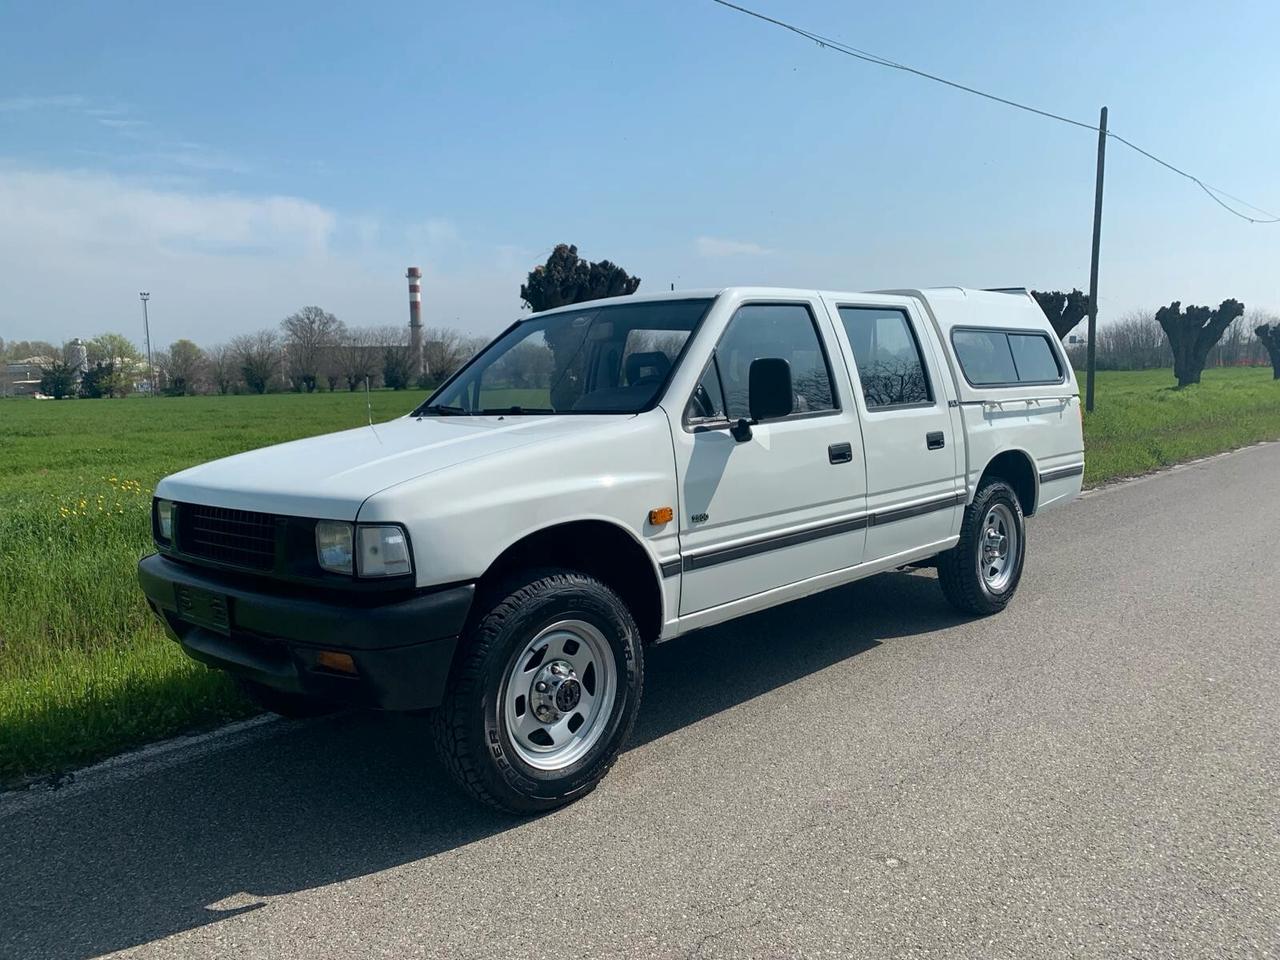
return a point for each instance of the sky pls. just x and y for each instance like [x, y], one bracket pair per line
[240, 160]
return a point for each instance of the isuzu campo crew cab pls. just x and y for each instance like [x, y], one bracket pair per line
[610, 475]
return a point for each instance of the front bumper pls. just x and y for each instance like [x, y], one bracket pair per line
[402, 648]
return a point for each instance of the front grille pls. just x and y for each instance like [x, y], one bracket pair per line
[241, 538]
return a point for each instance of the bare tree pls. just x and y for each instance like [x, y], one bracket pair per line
[181, 369]
[257, 355]
[445, 349]
[310, 337]
[223, 368]
[359, 357]
[1193, 332]
[397, 357]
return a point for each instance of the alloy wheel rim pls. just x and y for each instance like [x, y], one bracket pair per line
[998, 547]
[558, 694]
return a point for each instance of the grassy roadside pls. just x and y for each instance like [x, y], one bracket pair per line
[1140, 423]
[86, 672]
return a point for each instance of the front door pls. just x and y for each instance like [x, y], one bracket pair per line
[915, 490]
[788, 503]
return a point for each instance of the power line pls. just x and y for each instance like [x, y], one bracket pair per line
[1214, 193]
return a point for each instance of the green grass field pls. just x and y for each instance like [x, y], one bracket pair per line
[1140, 423]
[84, 668]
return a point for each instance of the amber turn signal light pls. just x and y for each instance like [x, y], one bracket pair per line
[339, 662]
[661, 515]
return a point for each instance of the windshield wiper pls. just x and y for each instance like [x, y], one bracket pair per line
[493, 411]
[442, 410]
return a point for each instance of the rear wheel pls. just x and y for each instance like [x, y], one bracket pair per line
[544, 693]
[980, 574]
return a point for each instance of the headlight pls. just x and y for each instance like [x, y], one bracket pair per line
[164, 521]
[333, 546]
[377, 551]
[384, 551]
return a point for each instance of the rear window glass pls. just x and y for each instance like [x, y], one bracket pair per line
[995, 358]
[1033, 357]
[984, 356]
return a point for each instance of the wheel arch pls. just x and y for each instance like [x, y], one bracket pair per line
[600, 548]
[1017, 468]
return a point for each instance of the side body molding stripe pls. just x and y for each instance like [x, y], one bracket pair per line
[710, 558]
[1062, 472]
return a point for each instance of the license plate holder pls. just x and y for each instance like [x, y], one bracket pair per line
[204, 608]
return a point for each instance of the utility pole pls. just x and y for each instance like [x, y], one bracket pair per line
[146, 329]
[1093, 265]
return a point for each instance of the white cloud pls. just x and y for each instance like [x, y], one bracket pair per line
[119, 123]
[64, 101]
[82, 208]
[431, 233]
[76, 247]
[717, 247]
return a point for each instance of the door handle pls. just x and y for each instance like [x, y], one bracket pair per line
[935, 440]
[840, 453]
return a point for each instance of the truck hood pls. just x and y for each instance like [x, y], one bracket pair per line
[330, 476]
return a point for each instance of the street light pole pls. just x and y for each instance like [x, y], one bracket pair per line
[144, 296]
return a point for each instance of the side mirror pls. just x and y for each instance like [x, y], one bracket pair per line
[769, 393]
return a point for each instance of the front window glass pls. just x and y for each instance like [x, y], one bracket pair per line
[601, 359]
[783, 330]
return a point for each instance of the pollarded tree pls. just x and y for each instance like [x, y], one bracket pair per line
[1192, 334]
[1269, 336]
[567, 278]
[1064, 310]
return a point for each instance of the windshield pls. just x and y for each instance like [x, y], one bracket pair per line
[601, 359]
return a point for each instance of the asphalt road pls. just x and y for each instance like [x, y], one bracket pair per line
[1093, 773]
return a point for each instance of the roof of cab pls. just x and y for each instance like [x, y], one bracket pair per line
[949, 306]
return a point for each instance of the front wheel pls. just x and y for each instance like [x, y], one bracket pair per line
[544, 693]
[980, 573]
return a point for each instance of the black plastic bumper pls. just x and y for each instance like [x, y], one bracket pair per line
[402, 649]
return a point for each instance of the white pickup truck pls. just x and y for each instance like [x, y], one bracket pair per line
[609, 475]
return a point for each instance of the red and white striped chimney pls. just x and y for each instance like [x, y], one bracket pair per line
[414, 277]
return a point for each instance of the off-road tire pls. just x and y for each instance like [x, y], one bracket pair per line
[958, 572]
[468, 728]
[294, 705]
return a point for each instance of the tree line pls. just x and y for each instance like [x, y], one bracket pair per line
[313, 350]
[1187, 339]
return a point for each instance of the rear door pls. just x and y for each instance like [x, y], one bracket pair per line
[787, 504]
[915, 489]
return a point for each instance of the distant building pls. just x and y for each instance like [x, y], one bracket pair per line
[22, 378]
